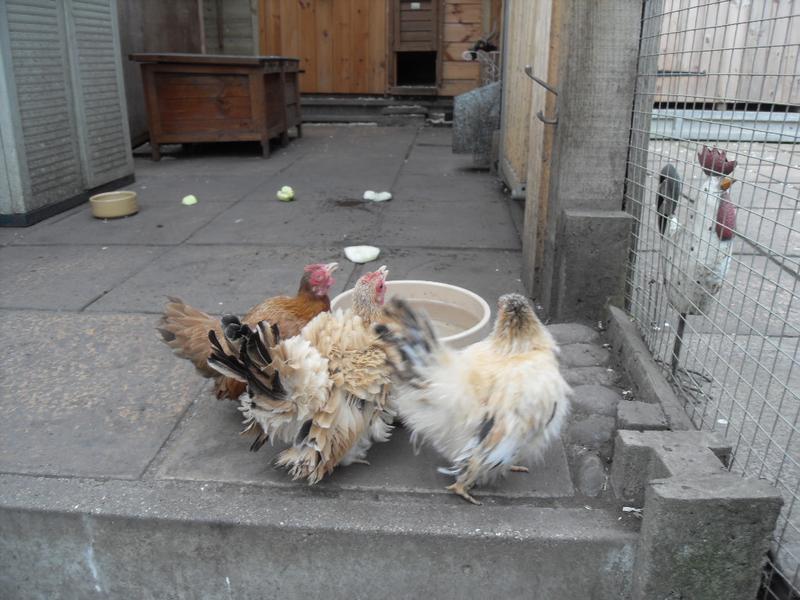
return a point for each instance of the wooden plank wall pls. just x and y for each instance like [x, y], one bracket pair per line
[463, 26]
[748, 50]
[234, 30]
[541, 136]
[342, 44]
[520, 50]
[416, 30]
[153, 26]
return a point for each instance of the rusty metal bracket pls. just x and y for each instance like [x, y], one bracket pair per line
[549, 88]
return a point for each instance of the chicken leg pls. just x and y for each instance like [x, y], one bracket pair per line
[459, 488]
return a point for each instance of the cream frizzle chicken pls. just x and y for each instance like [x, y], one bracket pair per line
[185, 328]
[488, 407]
[323, 391]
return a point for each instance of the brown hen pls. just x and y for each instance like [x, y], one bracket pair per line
[185, 328]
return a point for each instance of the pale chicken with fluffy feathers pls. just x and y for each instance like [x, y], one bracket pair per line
[486, 408]
[324, 391]
[185, 328]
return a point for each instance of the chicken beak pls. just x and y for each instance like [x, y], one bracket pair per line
[331, 267]
[384, 271]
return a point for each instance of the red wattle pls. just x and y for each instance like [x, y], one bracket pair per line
[726, 218]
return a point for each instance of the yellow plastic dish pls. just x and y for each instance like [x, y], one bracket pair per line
[113, 205]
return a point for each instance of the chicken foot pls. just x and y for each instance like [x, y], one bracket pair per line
[462, 490]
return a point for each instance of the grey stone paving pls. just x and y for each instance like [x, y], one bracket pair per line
[209, 449]
[89, 390]
[220, 278]
[87, 395]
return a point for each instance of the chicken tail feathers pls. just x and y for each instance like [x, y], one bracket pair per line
[185, 329]
[409, 340]
[668, 196]
[245, 356]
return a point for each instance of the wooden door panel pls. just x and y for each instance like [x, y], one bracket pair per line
[342, 44]
[415, 29]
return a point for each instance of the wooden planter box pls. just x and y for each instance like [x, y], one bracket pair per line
[215, 98]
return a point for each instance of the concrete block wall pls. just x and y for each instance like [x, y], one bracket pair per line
[705, 531]
[586, 237]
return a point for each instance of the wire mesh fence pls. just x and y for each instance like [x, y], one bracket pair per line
[713, 181]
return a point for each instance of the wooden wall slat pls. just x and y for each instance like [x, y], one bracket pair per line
[462, 26]
[746, 49]
[460, 70]
[454, 50]
[309, 54]
[342, 59]
[426, 26]
[462, 13]
[341, 43]
[462, 32]
[454, 87]
[521, 49]
[416, 15]
[359, 15]
[311, 31]
[324, 36]
[378, 47]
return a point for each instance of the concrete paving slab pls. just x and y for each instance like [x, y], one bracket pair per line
[576, 376]
[756, 296]
[340, 176]
[220, 279]
[208, 448]
[488, 273]
[440, 160]
[87, 395]
[66, 277]
[161, 220]
[574, 333]
[752, 399]
[222, 159]
[775, 227]
[755, 196]
[584, 355]
[366, 140]
[451, 186]
[435, 136]
[464, 226]
[304, 222]
[778, 230]
[9, 235]
[595, 400]
[206, 187]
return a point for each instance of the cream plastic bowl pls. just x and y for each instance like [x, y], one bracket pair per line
[460, 317]
[113, 205]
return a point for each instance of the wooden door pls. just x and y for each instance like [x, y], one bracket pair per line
[416, 26]
[342, 44]
[415, 61]
[526, 141]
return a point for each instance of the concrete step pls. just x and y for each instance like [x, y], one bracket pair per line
[207, 448]
[82, 538]
[198, 515]
[382, 110]
[334, 117]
